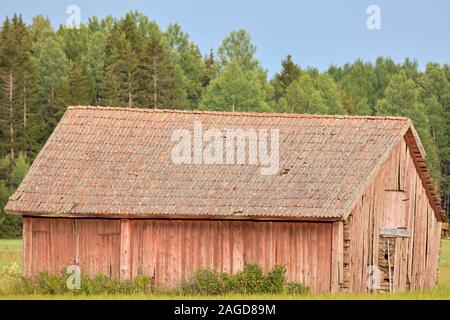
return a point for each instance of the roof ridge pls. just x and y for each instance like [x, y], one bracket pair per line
[248, 114]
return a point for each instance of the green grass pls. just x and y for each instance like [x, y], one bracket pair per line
[11, 251]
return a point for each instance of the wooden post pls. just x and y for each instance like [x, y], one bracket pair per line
[125, 273]
[337, 256]
[389, 265]
[27, 245]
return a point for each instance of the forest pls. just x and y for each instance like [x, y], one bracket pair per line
[133, 62]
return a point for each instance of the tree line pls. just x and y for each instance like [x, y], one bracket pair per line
[130, 61]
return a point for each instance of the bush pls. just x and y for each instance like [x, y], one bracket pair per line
[251, 280]
[10, 227]
[276, 279]
[296, 288]
[12, 282]
[51, 283]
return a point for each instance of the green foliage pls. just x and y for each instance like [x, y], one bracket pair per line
[162, 79]
[205, 282]
[289, 73]
[210, 71]
[251, 280]
[358, 83]
[314, 94]
[53, 65]
[4, 195]
[402, 97]
[95, 61]
[10, 227]
[189, 58]
[81, 84]
[13, 282]
[237, 48]
[296, 288]
[14, 172]
[19, 171]
[236, 90]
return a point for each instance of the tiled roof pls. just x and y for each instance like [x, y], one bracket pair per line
[117, 161]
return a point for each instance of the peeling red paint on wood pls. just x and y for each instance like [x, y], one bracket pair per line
[172, 250]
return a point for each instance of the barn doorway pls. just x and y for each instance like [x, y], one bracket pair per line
[392, 258]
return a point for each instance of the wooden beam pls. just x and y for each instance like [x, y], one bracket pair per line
[27, 245]
[125, 254]
[337, 256]
[395, 232]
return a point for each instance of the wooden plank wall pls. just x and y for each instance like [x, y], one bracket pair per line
[98, 246]
[396, 198]
[48, 245]
[51, 244]
[172, 250]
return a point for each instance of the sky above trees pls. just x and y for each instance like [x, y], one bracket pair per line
[315, 33]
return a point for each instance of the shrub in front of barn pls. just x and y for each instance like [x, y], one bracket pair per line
[251, 280]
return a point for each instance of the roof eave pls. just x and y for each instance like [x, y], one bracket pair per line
[177, 217]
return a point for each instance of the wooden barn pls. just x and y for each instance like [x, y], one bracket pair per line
[352, 199]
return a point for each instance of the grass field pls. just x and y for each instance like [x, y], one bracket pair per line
[11, 252]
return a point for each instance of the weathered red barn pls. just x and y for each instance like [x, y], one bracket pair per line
[352, 199]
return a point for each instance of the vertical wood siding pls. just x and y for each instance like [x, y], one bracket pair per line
[53, 244]
[395, 199]
[172, 250]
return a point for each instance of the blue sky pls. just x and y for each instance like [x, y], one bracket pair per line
[316, 33]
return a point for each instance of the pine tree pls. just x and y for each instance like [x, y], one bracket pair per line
[289, 73]
[81, 85]
[161, 79]
[127, 67]
[39, 25]
[110, 83]
[411, 68]
[189, 58]
[15, 81]
[52, 68]
[435, 95]
[74, 40]
[124, 47]
[210, 70]
[95, 61]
